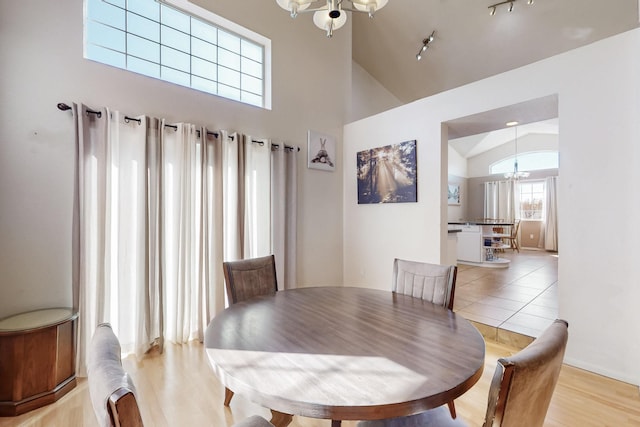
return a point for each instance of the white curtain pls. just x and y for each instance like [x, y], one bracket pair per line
[500, 200]
[157, 208]
[257, 215]
[147, 230]
[111, 239]
[551, 214]
[191, 212]
[284, 179]
[233, 195]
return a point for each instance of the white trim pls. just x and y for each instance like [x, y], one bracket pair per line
[599, 370]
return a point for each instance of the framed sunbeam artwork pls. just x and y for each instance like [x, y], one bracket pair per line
[388, 174]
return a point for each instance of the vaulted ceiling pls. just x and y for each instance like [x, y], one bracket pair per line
[470, 44]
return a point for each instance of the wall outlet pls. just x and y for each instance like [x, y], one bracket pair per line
[531, 236]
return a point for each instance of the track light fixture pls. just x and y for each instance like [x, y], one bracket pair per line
[494, 7]
[425, 45]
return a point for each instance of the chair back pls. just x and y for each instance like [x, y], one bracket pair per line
[515, 228]
[523, 384]
[110, 387]
[249, 278]
[430, 282]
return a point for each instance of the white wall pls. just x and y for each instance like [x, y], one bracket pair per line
[42, 64]
[599, 106]
[368, 96]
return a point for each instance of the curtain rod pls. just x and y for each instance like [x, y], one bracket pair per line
[273, 144]
[64, 107]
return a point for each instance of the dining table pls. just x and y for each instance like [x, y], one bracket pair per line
[344, 353]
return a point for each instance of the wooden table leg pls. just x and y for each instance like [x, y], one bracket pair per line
[280, 419]
[336, 423]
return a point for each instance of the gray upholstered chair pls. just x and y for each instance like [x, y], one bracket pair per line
[431, 282]
[112, 392]
[246, 279]
[253, 421]
[520, 390]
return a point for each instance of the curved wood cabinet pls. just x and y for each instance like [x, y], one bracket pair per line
[37, 359]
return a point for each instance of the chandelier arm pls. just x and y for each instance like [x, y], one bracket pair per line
[325, 7]
[319, 9]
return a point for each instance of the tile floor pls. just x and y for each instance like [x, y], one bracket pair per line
[521, 298]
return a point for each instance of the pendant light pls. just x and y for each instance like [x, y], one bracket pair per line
[516, 174]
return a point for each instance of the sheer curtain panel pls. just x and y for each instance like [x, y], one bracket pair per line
[147, 247]
[233, 194]
[284, 181]
[500, 200]
[157, 208]
[551, 214]
[112, 246]
[191, 227]
[257, 182]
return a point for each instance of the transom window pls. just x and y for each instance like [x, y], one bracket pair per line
[179, 46]
[527, 162]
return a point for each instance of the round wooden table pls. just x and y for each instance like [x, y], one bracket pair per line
[344, 353]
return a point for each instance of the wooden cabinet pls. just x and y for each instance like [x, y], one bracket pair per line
[37, 359]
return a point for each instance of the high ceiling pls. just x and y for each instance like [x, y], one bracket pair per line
[469, 44]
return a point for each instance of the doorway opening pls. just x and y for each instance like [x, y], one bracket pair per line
[521, 299]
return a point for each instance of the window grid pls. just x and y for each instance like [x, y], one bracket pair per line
[245, 74]
[532, 195]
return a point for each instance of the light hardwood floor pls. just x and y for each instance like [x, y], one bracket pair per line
[179, 389]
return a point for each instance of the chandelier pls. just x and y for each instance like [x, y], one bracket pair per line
[516, 174]
[331, 16]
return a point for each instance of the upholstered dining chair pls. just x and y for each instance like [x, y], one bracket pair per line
[112, 392]
[431, 282]
[248, 278]
[520, 391]
[253, 421]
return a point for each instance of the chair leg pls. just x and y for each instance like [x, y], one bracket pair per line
[228, 394]
[452, 409]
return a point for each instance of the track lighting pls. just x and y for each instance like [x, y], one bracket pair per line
[425, 45]
[494, 7]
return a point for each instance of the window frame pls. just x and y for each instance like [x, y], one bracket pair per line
[532, 182]
[201, 14]
[511, 159]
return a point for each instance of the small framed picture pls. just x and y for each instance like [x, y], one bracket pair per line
[321, 151]
[453, 194]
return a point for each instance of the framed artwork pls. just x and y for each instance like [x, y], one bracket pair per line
[453, 194]
[388, 174]
[321, 151]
